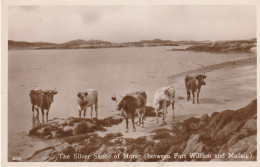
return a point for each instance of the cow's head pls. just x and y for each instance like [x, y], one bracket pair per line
[82, 96]
[119, 102]
[170, 91]
[201, 78]
[50, 94]
[35, 92]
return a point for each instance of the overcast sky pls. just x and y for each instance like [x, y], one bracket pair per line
[131, 23]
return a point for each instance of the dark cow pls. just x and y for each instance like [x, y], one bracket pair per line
[193, 84]
[130, 104]
[42, 100]
[87, 98]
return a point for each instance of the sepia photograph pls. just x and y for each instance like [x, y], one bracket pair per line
[130, 82]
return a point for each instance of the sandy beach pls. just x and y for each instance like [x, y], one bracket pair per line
[230, 85]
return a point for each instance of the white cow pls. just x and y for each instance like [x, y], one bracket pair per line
[87, 98]
[163, 98]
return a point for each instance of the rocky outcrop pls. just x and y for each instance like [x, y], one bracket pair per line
[227, 135]
[58, 128]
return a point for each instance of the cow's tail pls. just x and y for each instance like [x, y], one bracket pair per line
[96, 103]
[186, 79]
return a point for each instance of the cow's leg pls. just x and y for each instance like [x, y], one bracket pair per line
[188, 95]
[42, 110]
[157, 107]
[85, 112]
[126, 121]
[33, 121]
[33, 109]
[91, 111]
[173, 115]
[193, 95]
[198, 96]
[142, 117]
[164, 113]
[47, 114]
[33, 118]
[96, 107]
[79, 113]
[142, 120]
[133, 121]
[163, 116]
[139, 118]
[37, 116]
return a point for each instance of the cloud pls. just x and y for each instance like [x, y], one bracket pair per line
[131, 23]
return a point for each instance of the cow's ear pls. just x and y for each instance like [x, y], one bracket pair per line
[113, 98]
[79, 95]
[197, 77]
[204, 76]
[55, 92]
[86, 93]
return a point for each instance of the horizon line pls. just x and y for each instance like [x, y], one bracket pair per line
[132, 41]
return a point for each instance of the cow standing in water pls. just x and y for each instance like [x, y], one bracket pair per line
[130, 104]
[163, 98]
[41, 100]
[87, 98]
[193, 84]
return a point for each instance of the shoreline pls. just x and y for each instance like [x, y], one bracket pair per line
[239, 62]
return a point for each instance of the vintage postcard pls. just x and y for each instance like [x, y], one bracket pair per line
[159, 83]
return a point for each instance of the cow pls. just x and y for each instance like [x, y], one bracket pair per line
[193, 84]
[163, 98]
[130, 104]
[41, 100]
[87, 98]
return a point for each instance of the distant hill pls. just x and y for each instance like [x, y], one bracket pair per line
[26, 45]
[67, 45]
[209, 46]
[80, 42]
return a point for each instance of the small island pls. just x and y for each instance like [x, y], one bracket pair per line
[222, 46]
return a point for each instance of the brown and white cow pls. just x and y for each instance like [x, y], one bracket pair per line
[163, 98]
[130, 104]
[42, 100]
[87, 98]
[193, 84]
